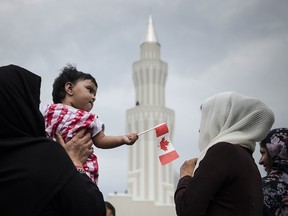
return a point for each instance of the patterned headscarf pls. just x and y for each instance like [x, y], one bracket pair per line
[233, 118]
[277, 143]
[275, 184]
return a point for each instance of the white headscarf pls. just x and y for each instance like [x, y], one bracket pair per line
[233, 118]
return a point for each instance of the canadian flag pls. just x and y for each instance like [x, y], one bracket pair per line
[166, 151]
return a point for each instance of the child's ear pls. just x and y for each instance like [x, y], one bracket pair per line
[69, 88]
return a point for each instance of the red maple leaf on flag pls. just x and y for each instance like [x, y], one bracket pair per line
[163, 144]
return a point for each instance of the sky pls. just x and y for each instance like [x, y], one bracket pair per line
[210, 46]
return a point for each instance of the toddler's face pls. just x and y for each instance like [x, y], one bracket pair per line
[84, 95]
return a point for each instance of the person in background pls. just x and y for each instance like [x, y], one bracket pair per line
[74, 93]
[225, 180]
[110, 210]
[274, 159]
[37, 176]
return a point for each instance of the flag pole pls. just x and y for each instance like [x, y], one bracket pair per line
[145, 131]
[149, 129]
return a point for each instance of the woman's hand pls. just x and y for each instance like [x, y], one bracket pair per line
[188, 167]
[79, 148]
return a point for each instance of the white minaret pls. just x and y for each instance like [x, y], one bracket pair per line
[150, 185]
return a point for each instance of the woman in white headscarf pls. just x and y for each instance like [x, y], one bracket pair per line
[225, 180]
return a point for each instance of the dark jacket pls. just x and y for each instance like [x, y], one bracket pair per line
[227, 182]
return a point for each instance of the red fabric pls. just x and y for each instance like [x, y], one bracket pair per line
[161, 129]
[166, 151]
[169, 157]
[68, 121]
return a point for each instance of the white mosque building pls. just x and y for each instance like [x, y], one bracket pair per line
[150, 185]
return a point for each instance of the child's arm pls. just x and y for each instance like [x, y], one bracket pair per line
[107, 142]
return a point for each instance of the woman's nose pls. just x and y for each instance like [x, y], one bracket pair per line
[260, 161]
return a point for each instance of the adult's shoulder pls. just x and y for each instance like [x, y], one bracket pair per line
[228, 147]
[223, 147]
[270, 179]
[229, 155]
[221, 155]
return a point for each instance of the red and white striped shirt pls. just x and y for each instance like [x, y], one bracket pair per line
[68, 121]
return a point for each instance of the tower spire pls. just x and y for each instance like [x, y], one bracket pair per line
[150, 32]
[150, 186]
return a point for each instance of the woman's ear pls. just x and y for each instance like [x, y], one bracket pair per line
[69, 88]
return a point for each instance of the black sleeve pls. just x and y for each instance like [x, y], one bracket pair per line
[193, 194]
[80, 196]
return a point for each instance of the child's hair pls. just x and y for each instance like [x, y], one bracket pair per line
[68, 74]
[111, 207]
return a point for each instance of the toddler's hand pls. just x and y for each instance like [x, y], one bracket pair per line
[130, 138]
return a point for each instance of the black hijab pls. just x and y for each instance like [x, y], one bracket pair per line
[32, 168]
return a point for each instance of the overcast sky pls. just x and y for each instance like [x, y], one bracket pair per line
[210, 46]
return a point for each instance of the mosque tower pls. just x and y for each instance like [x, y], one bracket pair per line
[150, 185]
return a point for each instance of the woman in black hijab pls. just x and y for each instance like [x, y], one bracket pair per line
[37, 177]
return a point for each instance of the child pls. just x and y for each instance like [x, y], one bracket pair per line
[74, 93]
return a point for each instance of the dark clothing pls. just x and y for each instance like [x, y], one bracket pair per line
[275, 189]
[275, 184]
[37, 177]
[80, 196]
[227, 182]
